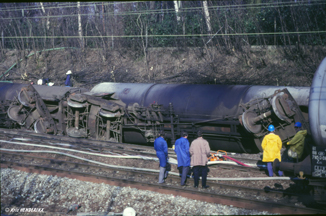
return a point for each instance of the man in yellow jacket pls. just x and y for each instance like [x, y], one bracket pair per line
[296, 144]
[271, 145]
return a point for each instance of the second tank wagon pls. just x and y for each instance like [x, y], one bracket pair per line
[224, 113]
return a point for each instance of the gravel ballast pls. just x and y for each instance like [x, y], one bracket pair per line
[55, 195]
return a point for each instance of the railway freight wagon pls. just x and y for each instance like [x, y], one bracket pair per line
[232, 118]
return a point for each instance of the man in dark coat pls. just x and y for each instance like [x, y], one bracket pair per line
[161, 148]
[200, 151]
[183, 156]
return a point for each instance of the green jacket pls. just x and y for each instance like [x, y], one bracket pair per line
[297, 142]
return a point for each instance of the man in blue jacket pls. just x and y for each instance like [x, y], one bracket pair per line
[183, 156]
[68, 82]
[161, 148]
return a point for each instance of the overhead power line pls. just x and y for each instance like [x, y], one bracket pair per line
[159, 11]
[66, 5]
[87, 4]
[187, 35]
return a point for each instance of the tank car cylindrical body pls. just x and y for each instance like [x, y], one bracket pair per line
[214, 109]
[317, 106]
[312, 167]
[197, 101]
[217, 105]
[9, 90]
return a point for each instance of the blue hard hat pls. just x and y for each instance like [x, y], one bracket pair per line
[298, 124]
[271, 128]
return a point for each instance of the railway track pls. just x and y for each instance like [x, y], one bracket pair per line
[104, 147]
[265, 199]
[248, 197]
[96, 145]
[8, 158]
[90, 143]
[7, 136]
[88, 148]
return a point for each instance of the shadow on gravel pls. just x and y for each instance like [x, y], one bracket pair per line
[301, 187]
[306, 193]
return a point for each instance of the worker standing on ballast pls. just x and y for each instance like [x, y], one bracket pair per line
[161, 148]
[183, 156]
[200, 151]
[271, 145]
[296, 144]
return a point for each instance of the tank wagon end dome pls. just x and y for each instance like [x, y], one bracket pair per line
[317, 105]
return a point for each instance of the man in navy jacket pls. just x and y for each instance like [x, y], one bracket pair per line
[68, 82]
[183, 156]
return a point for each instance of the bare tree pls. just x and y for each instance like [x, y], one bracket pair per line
[141, 27]
[80, 30]
[207, 17]
[177, 5]
[47, 21]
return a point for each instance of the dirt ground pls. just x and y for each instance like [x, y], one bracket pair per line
[294, 66]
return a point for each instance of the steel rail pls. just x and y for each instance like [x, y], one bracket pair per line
[245, 159]
[122, 148]
[79, 141]
[239, 168]
[132, 152]
[90, 143]
[266, 192]
[89, 147]
[96, 144]
[189, 193]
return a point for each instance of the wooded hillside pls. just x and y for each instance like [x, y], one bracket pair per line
[117, 34]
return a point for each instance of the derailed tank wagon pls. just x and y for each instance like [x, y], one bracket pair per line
[232, 118]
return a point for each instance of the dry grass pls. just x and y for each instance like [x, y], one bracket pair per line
[264, 66]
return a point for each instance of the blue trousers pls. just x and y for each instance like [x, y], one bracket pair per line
[200, 170]
[183, 170]
[270, 169]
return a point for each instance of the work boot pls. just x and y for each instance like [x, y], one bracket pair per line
[162, 175]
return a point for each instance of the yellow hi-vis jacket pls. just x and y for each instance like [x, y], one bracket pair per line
[272, 145]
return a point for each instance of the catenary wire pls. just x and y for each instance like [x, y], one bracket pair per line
[160, 11]
[150, 36]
